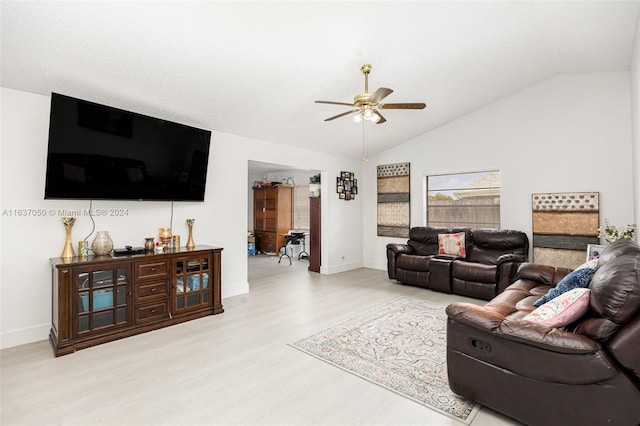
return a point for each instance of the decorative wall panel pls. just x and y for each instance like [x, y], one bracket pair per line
[394, 200]
[563, 225]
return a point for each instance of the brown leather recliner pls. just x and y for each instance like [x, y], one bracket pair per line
[585, 374]
[490, 265]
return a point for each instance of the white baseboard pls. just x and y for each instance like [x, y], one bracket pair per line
[234, 289]
[343, 267]
[23, 336]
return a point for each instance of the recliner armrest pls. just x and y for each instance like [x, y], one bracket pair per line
[493, 320]
[393, 251]
[400, 248]
[547, 338]
[476, 316]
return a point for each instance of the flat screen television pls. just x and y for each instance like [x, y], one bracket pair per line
[97, 152]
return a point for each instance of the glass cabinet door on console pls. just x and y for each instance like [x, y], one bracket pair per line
[191, 285]
[102, 298]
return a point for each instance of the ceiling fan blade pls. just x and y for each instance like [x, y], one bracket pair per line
[382, 119]
[334, 103]
[403, 106]
[380, 94]
[341, 115]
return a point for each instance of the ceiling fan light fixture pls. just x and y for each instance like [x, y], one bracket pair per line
[367, 105]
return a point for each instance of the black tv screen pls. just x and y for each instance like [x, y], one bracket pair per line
[97, 152]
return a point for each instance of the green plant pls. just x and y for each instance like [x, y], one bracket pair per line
[611, 233]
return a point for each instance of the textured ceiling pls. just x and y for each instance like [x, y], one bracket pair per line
[255, 68]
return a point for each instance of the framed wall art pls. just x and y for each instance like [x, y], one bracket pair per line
[394, 200]
[564, 224]
[346, 186]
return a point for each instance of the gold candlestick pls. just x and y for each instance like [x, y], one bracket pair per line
[68, 222]
[190, 244]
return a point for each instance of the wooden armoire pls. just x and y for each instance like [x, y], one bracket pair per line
[272, 216]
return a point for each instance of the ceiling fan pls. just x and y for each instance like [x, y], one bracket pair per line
[368, 105]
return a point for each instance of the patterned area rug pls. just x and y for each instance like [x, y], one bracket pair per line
[400, 346]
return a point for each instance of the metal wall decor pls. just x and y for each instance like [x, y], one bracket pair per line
[564, 224]
[346, 186]
[394, 200]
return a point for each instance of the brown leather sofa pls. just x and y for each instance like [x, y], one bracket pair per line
[587, 373]
[490, 265]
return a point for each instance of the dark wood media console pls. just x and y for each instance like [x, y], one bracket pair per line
[103, 298]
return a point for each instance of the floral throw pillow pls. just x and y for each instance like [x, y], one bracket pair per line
[563, 310]
[452, 244]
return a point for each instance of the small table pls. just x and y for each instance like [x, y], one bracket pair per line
[294, 238]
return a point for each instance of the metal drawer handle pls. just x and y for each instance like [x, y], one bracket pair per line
[153, 269]
[153, 290]
[153, 311]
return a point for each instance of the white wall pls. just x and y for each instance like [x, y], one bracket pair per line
[634, 75]
[569, 133]
[27, 242]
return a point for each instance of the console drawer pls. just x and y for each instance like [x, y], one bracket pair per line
[152, 269]
[152, 290]
[152, 312]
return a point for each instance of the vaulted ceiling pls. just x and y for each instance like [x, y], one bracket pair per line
[255, 68]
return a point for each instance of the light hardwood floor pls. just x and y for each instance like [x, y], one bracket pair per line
[230, 369]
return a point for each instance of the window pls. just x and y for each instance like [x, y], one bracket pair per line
[464, 199]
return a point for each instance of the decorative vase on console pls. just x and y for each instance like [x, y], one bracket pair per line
[102, 244]
[68, 247]
[149, 244]
[190, 244]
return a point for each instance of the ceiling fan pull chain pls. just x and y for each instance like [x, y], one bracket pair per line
[365, 143]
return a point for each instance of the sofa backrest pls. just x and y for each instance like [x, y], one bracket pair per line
[614, 315]
[617, 249]
[424, 239]
[489, 244]
[615, 297]
[543, 274]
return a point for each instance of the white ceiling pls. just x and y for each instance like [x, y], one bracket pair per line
[255, 68]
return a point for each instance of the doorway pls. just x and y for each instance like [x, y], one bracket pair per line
[266, 265]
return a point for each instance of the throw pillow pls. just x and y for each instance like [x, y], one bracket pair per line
[452, 244]
[563, 310]
[580, 278]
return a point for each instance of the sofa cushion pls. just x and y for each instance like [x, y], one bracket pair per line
[473, 272]
[580, 278]
[562, 310]
[452, 244]
[411, 262]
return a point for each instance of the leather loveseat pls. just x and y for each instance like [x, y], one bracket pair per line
[584, 373]
[490, 262]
